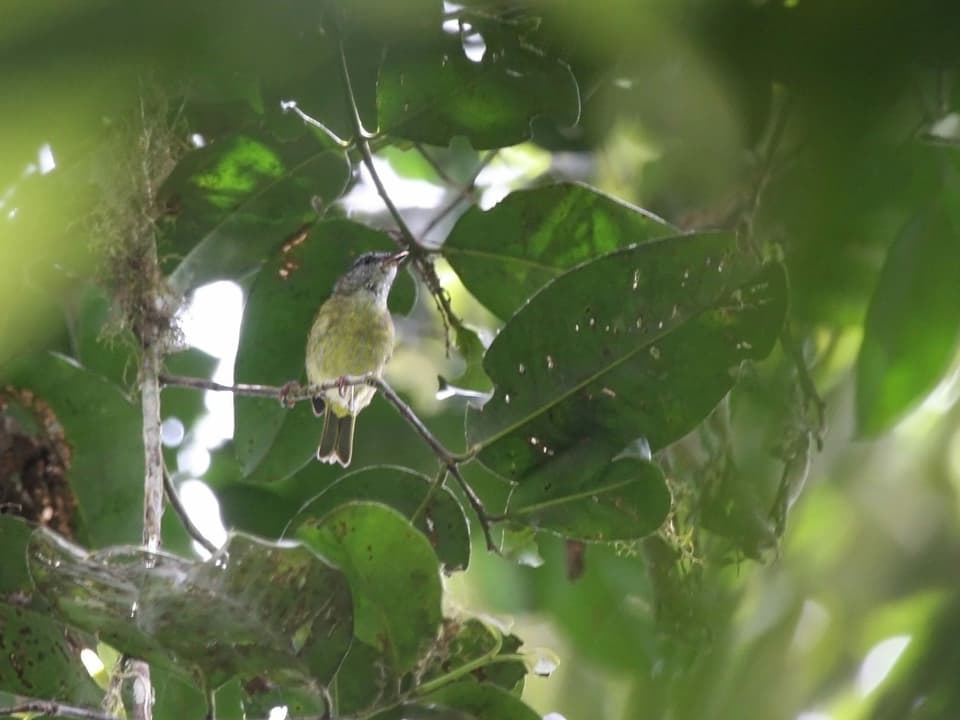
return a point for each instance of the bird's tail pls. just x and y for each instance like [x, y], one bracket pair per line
[336, 441]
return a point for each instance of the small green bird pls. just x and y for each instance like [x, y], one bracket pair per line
[352, 334]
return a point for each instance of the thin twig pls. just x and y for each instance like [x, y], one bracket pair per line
[434, 488]
[192, 530]
[419, 254]
[468, 189]
[55, 709]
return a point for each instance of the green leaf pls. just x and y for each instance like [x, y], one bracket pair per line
[102, 429]
[15, 584]
[242, 196]
[254, 608]
[912, 326]
[504, 255]
[625, 500]
[362, 679]
[431, 92]
[38, 660]
[393, 573]
[473, 642]
[296, 280]
[638, 343]
[442, 521]
[481, 701]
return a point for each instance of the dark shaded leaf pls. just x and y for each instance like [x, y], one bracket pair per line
[481, 701]
[364, 678]
[442, 521]
[393, 573]
[37, 660]
[253, 608]
[506, 254]
[15, 584]
[241, 196]
[912, 326]
[431, 92]
[625, 500]
[102, 429]
[293, 284]
[640, 342]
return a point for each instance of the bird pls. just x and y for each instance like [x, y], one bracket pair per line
[352, 334]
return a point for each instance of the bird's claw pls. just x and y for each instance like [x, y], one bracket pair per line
[342, 385]
[285, 391]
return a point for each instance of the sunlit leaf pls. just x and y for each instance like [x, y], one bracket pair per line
[625, 500]
[441, 521]
[912, 326]
[254, 608]
[506, 254]
[103, 430]
[283, 301]
[393, 572]
[237, 199]
[642, 342]
[431, 92]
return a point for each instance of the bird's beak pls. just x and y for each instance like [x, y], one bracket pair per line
[397, 258]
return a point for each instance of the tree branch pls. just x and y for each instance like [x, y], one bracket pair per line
[55, 709]
[173, 497]
[292, 393]
[419, 255]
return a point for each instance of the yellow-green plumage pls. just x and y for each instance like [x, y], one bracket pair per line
[352, 334]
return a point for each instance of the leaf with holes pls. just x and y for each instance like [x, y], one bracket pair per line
[624, 500]
[912, 326]
[254, 608]
[237, 198]
[506, 254]
[393, 572]
[431, 92]
[277, 317]
[641, 342]
[441, 521]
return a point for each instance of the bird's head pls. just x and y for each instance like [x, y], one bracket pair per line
[372, 272]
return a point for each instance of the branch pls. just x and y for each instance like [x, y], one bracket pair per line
[55, 709]
[419, 254]
[293, 392]
[466, 191]
[192, 530]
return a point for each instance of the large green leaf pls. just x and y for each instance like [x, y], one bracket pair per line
[431, 92]
[912, 326]
[479, 645]
[639, 343]
[38, 660]
[442, 521]
[393, 573]
[254, 608]
[102, 429]
[506, 254]
[239, 197]
[626, 499]
[15, 584]
[279, 311]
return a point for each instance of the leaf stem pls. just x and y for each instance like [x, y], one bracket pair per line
[434, 487]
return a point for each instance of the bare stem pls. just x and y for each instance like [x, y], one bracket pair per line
[55, 709]
[192, 530]
[466, 191]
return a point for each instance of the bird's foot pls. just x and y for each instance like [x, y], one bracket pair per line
[286, 389]
[342, 385]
